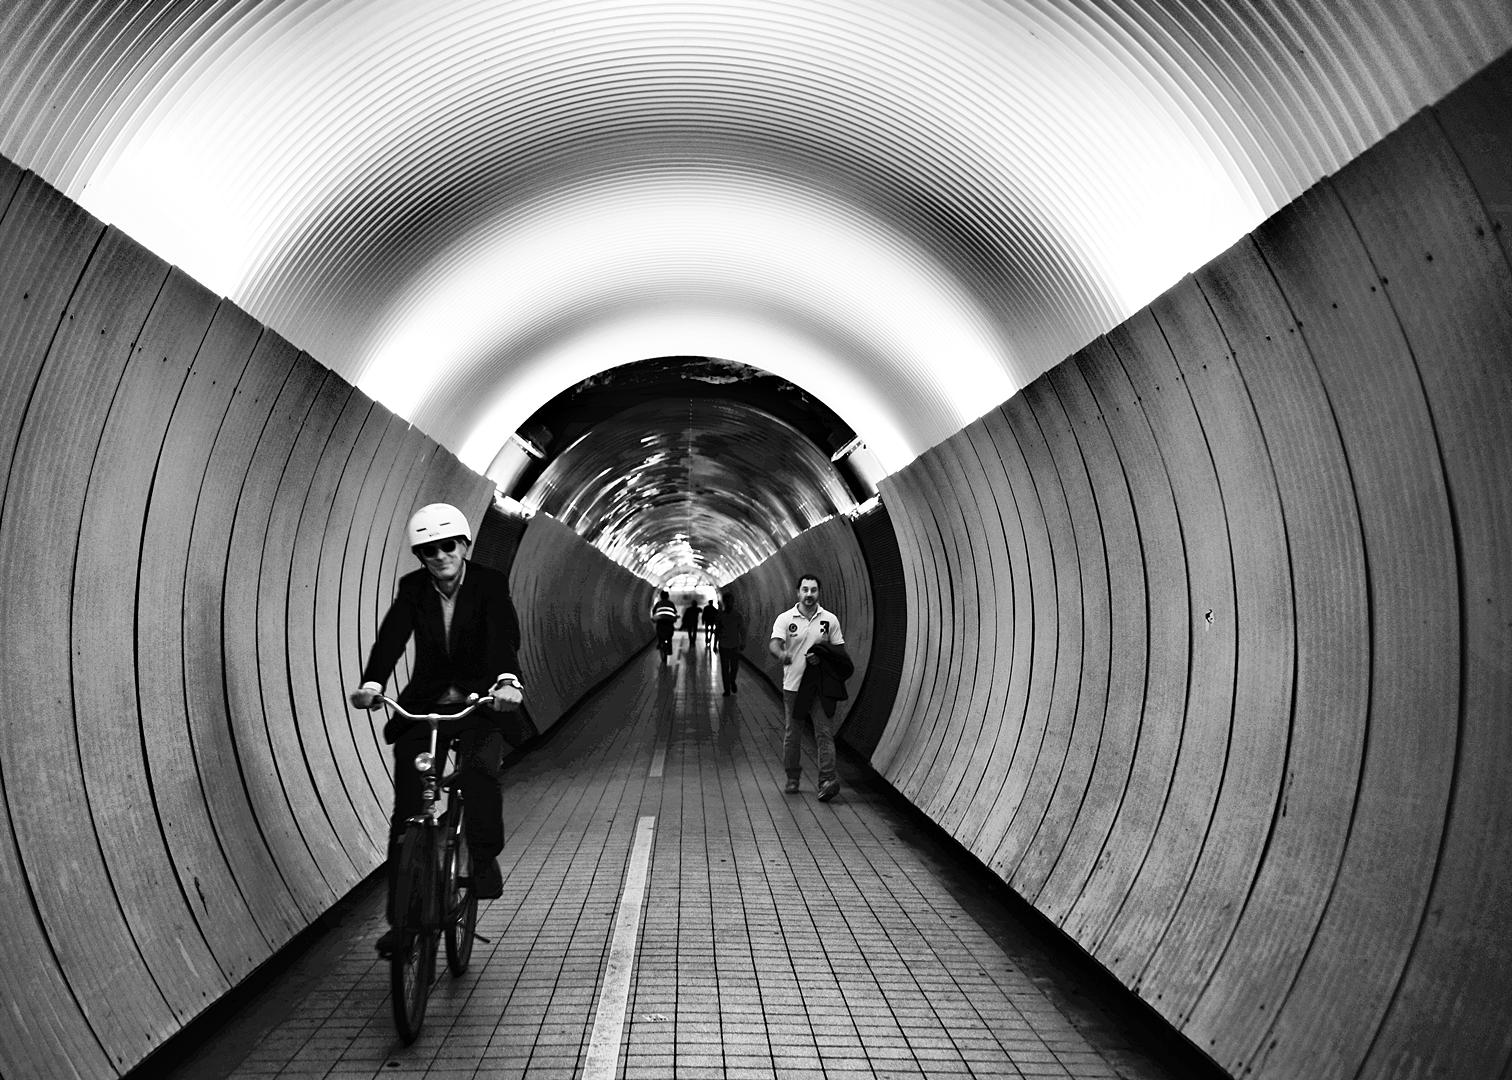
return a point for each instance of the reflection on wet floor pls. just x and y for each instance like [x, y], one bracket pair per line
[779, 936]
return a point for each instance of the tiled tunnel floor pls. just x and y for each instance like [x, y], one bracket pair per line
[781, 936]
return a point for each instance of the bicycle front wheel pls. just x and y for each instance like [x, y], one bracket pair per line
[414, 954]
[461, 913]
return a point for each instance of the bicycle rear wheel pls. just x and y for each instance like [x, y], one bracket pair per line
[461, 901]
[414, 955]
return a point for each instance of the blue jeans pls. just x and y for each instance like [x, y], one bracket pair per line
[792, 738]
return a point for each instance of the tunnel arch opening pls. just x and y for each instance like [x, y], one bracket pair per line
[678, 465]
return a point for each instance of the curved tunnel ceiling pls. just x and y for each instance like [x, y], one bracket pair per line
[690, 484]
[909, 209]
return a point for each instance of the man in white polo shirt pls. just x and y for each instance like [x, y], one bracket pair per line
[794, 633]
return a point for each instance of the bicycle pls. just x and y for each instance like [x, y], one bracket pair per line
[434, 891]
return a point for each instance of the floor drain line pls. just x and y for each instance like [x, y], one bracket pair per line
[614, 998]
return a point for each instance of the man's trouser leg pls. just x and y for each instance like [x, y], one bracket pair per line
[729, 664]
[792, 735]
[824, 743]
[480, 746]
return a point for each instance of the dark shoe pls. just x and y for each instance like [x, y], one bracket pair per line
[488, 883]
[726, 693]
[385, 944]
[829, 790]
[792, 786]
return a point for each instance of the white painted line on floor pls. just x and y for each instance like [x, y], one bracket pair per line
[658, 759]
[609, 1021]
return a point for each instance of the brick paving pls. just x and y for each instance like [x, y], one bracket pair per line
[782, 937]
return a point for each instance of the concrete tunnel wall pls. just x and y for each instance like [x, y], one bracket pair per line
[1209, 644]
[582, 615]
[1286, 827]
[201, 528]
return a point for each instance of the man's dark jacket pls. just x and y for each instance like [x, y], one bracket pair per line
[824, 676]
[485, 638]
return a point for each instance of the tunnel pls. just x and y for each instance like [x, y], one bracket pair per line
[1135, 374]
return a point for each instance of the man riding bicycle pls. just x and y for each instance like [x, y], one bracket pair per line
[466, 637]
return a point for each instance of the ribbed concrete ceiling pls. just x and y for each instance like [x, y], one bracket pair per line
[906, 207]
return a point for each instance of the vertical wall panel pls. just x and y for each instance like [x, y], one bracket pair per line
[1125, 661]
[212, 657]
[384, 546]
[866, 720]
[1003, 788]
[319, 532]
[1261, 650]
[103, 650]
[178, 786]
[316, 806]
[958, 608]
[1164, 660]
[1064, 669]
[312, 880]
[1004, 721]
[984, 531]
[1330, 635]
[1451, 289]
[346, 648]
[1093, 644]
[1003, 725]
[340, 602]
[1374, 389]
[569, 596]
[45, 242]
[1211, 641]
[899, 730]
[44, 505]
[931, 626]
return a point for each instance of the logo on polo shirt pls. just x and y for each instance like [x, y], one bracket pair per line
[792, 628]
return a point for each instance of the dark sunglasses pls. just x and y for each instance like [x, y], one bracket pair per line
[429, 551]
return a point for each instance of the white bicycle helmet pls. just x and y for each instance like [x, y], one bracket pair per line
[438, 521]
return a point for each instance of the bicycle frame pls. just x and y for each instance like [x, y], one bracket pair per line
[435, 914]
[430, 860]
[430, 773]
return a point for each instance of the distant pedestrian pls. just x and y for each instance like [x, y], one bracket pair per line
[796, 635]
[730, 639]
[710, 623]
[664, 615]
[690, 623]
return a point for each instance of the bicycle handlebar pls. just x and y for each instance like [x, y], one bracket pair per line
[431, 718]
